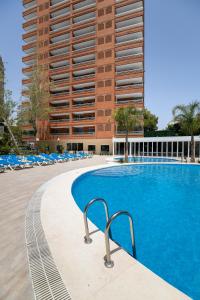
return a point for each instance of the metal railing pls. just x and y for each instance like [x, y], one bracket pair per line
[108, 262]
[87, 238]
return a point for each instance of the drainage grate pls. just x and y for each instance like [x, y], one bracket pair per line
[46, 280]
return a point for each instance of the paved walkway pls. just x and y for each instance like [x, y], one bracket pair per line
[16, 189]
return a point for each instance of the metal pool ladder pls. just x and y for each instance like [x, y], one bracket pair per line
[87, 238]
[108, 262]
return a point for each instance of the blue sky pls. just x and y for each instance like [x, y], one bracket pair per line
[172, 52]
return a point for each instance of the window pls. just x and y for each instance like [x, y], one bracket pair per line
[92, 148]
[40, 19]
[101, 26]
[108, 112]
[100, 12]
[108, 82]
[100, 41]
[40, 7]
[100, 113]
[108, 24]
[108, 38]
[105, 148]
[100, 55]
[108, 9]
[100, 98]
[100, 84]
[108, 53]
[108, 127]
[100, 69]
[108, 68]
[100, 127]
[107, 97]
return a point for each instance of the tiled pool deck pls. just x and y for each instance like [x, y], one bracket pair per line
[16, 190]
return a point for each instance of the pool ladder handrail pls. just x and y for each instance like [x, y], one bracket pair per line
[87, 238]
[108, 262]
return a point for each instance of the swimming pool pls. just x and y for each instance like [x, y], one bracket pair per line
[164, 201]
[139, 159]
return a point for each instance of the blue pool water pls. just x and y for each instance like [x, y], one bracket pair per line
[164, 201]
[138, 159]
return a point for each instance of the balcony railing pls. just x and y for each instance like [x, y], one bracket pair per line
[59, 120]
[84, 4]
[128, 24]
[129, 38]
[83, 104]
[59, 13]
[83, 118]
[30, 16]
[128, 9]
[59, 26]
[30, 4]
[84, 18]
[56, 2]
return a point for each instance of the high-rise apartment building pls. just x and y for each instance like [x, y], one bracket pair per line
[93, 53]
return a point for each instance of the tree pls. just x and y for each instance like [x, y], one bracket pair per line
[127, 119]
[150, 121]
[7, 105]
[7, 109]
[37, 99]
[188, 117]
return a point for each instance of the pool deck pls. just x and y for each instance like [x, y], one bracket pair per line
[16, 190]
[81, 266]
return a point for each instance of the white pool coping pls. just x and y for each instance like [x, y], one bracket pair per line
[82, 266]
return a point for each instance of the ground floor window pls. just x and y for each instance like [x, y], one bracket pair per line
[74, 146]
[105, 149]
[92, 148]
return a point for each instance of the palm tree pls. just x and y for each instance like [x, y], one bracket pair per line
[127, 119]
[188, 116]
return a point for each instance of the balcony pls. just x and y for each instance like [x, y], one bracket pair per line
[129, 24]
[83, 116]
[29, 38]
[30, 16]
[60, 38]
[84, 101]
[128, 53]
[84, 59]
[59, 51]
[84, 4]
[83, 74]
[59, 118]
[59, 91]
[30, 61]
[134, 67]
[129, 9]
[84, 18]
[59, 130]
[59, 104]
[56, 2]
[83, 130]
[59, 65]
[129, 98]
[60, 13]
[29, 4]
[30, 28]
[59, 78]
[129, 83]
[84, 31]
[84, 45]
[129, 38]
[83, 87]
[59, 26]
